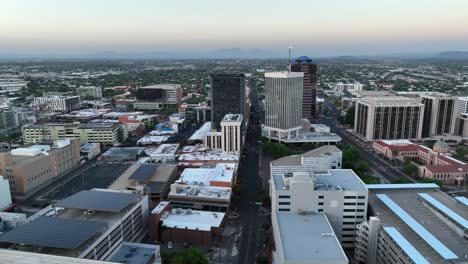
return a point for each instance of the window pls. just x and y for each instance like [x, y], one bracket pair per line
[360, 210]
[320, 203]
[348, 216]
[320, 196]
[350, 197]
[361, 197]
[360, 203]
[347, 235]
[320, 210]
[284, 196]
[283, 209]
[284, 203]
[349, 210]
[348, 223]
[349, 203]
[347, 229]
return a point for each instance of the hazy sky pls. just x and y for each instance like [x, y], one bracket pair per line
[313, 27]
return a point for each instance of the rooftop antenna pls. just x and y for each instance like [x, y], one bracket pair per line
[289, 59]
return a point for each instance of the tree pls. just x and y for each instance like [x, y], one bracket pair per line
[349, 116]
[261, 260]
[461, 152]
[410, 168]
[395, 152]
[350, 157]
[190, 256]
[400, 179]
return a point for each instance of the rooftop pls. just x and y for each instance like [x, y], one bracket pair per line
[296, 160]
[204, 176]
[308, 238]
[201, 132]
[390, 101]
[163, 150]
[332, 180]
[284, 74]
[192, 219]
[413, 216]
[232, 118]
[135, 253]
[21, 257]
[152, 139]
[123, 153]
[208, 156]
[166, 86]
[106, 201]
[207, 193]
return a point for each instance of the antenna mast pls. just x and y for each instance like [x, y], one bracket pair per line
[289, 59]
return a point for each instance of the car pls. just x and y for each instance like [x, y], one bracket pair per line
[169, 245]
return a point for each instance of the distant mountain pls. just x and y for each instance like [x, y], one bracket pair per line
[454, 55]
[243, 54]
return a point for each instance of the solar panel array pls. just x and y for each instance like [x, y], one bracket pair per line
[54, 232]
[431, 240]
[411, 251]
[98, 200]
[144, 173]
[447, 211]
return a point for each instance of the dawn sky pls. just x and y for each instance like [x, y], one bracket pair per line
[322, 28]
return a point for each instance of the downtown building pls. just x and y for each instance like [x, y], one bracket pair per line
[283, 107]
[63, 104]
[305, 65]
[228, 96]
[413, 223]
[159, 97]
[229, 139]
[440, 112]
[391, 117]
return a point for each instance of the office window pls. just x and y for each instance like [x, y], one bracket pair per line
[320, 210]
[284, 203]
[283, 209]
[320, 203]
[320, 196]
[350, 203]
[350, 197]
[348, 216]
[361, 197]
[284, 196]
[360, 203]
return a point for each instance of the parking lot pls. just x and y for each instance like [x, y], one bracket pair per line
[99, 175]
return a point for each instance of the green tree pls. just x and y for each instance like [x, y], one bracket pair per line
[350, 157]
[400, 179]
[349, 116]
[410, 168]
[395, 152]
[461, 152]
[190, 256]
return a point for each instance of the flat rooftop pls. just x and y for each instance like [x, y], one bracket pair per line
[232, 118]
[203, 176]
[123, 153]
[21, 257]
[135, 253]
[192, 219]
[152, 139]
[390, 101]
[308, 137]
[296, 160]
[309, 238]
[194, 192]
[336, 179]
[105, 201]
[413, 216]
[208, 156]
[163, 150]
[199, 135]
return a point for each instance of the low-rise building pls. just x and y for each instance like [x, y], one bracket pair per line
[435, 163]
[164, 154]
[204, 188]
[200, 156]
[90, 225]
[185, 226]
[152, 179]
[412, 223]
[320, 159]
[90, 150]
[122, 154]
[29, 169]
[149, 140]
[102, 133]
[89, 92]
[7, 121]
[159, 97]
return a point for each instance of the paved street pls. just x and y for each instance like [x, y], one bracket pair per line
[379, 166]
[249, 186]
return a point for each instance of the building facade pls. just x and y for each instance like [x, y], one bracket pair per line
[227, 97]
[5, 194]
[339, 194]
[102, 133]
[283, 112]
[64, 104]
[309, 96]
[7, 120]
[89, 92]
[159, 97]
[440, 111]
[29, 169]
[462, 105]
[391, 117]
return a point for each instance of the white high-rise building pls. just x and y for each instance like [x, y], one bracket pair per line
[339, 194]
[462, 107]
[350, 87]
[283, 108]
[5, 195]
[231, 129]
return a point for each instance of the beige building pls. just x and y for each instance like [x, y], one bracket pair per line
[29, 169]
[390, 117]
[230, 139]
[103, 133]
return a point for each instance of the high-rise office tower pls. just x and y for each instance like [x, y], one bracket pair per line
[439, 114]
[390, 117]
[309, 97]
[227, 97]
[283, 107]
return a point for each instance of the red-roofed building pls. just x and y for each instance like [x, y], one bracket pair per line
[437, 164]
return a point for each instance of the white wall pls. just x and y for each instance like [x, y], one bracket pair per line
[5, 195]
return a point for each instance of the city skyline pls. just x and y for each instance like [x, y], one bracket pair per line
[211, 28]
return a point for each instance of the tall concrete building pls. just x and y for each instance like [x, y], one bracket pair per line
[391, 117]
[412, 223]
[440, 111]
[283, 107]
[309, 96]
[5, 194]
[462, 107]
[227, 97]
[89, 92]
[339, 194]
[230, 139]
